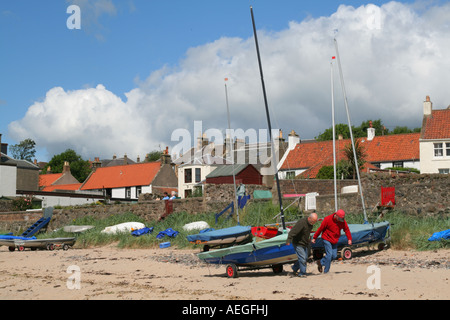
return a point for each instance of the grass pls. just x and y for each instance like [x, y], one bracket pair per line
[407, 232]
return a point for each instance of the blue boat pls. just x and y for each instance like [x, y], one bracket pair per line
[362, 235]
[223, 237]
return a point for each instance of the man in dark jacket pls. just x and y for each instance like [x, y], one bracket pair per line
[300, 237]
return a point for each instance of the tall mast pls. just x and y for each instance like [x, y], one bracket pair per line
[350, 129]
[280, 199]
[231, 152]
[334, 137]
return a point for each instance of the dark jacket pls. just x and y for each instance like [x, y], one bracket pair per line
[300, 234]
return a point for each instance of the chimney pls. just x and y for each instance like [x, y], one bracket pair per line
[427, 106]
[66, 168]
[238, 144]
[165, 157]
[138, 160]
[114, 157]
[125, 159]
[202, 141]
[205, 140]
[370, 132]
[3, 146]
[49, 170]
[340, 137]
[293, 140]
[96, 164]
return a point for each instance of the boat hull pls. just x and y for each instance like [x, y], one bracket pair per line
[258, 253]
[361, 234]
[225, 236]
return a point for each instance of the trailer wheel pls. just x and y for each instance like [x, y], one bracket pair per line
[50, 247]
[21, 248]
[346, 253]
[381, 246]
[12, 249]
[65, 247]
[277, 268]
[232, 271]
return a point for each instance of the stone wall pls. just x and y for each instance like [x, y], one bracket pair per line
[415, 194]
[303, 186]
[6, 205]
[424, 194]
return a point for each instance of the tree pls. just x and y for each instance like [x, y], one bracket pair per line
[79, 168]
[154, 155]
[24, 150]
[341, 129]
[343, 171]
[360, 154]
[361, 131]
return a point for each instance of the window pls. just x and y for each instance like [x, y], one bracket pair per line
[198, 174]
[128, 193]
[447, 149]
[187, 175]
[438, 150]
[290, 175]
[397, 164]
[138, 191]
[444, 171]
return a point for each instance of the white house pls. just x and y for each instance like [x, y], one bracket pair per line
[435, 140]
[127, 182]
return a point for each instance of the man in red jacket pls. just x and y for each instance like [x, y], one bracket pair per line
[331, 231]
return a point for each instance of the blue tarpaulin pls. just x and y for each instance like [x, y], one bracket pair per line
[220, 234]
[361, 233]
[168, 232]
[441, 235]
[8, 237]
[142, 231]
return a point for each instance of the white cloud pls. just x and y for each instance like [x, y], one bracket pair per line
[392, 57]
[91, 12]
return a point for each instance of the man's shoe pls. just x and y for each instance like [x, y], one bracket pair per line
[319, 266]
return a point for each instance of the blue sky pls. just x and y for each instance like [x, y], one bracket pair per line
[134, 47]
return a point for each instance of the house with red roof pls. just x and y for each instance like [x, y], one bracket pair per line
[305, 159]
[59, 181]
[435, 140]
[127, 182]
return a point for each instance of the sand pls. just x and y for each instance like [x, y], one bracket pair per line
[170, 274]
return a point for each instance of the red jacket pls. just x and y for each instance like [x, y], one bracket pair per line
[331, 229]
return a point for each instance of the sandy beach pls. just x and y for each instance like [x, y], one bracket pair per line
[171, 274]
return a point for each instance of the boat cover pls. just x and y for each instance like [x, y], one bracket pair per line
[142, 231]
[168, 232]
[220, 234]
[442, 235]
[361, 233]
[8, 237]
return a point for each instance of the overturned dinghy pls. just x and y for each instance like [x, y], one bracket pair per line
[123, 227]
[77, 229]
[222, 237]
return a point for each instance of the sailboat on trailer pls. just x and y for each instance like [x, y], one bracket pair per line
[271, 252]
[362, 234]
